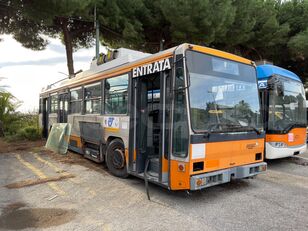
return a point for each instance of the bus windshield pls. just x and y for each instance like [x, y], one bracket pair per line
[287, 105]
[223, 95]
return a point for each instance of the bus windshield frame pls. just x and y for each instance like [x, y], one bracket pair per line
[286, 105]
[223, 95]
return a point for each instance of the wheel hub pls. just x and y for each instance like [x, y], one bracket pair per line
[118, 158]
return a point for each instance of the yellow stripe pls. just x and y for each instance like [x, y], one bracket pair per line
[54, 167]
[112, 129]
[106, 227]
[40, 174]
[47, 163]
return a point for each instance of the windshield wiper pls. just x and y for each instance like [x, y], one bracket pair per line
[254, 129]
[291, 126]
[248, 126]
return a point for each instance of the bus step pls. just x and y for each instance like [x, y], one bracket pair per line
[154, 165]
[152, 174]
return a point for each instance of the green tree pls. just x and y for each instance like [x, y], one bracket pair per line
[29, 20]
[294, 56]
[258, 29]
[198, 21]
[120, 22]
[8, 104]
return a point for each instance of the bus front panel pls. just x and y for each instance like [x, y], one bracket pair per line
[226, 131]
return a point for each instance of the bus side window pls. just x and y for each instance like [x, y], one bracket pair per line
[54, 104]
[93, 98]
[180, 121]
[116, 95]
[75, 100]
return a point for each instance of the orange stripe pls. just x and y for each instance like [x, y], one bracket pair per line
[77, 139]
[298, 133]
[165, 166]
[221, 54]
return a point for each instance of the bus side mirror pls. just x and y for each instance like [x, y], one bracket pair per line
[179, 78]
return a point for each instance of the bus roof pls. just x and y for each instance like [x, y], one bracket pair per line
[267, 70]
[90, 76]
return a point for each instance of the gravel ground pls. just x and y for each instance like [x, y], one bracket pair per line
[95, 200]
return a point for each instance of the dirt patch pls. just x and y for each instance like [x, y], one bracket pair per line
[27, 183]
[21, 218]
[75, 158]
[13, 206]
[6, 147]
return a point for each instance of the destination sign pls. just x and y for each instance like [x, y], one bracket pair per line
[151, 68]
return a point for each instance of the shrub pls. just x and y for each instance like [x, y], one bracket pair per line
[22, 127]
[29, 133]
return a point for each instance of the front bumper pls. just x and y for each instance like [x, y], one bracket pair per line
[275, 153]
[223, 176]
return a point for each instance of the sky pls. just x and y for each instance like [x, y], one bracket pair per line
[26, 71]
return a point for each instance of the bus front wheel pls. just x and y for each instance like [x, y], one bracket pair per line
[116, 158]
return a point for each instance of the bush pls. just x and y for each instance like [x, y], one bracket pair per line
[29, 133]
[22, 127]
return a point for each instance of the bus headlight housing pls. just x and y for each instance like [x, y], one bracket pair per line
[278, 144]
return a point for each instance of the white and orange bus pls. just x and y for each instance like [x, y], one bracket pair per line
[283, 104]
[185, 118]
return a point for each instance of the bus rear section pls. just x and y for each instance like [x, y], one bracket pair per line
[284, 111]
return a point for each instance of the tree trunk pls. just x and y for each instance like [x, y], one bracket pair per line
[1, 129]
[68, 46]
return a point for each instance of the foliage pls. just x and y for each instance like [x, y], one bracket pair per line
[17, 126]
[8, 104]
[257, 29]
[22, 127]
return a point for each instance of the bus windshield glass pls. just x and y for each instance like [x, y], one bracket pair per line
[287, 105]
[223, 95]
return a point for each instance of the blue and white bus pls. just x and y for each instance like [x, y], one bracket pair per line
[283, 104]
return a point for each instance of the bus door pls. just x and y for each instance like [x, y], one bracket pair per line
[151, 125]
[63, 108]
[44, 109]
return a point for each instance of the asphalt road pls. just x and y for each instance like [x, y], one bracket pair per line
[91, 199]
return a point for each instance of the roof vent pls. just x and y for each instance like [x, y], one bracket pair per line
[112, 59]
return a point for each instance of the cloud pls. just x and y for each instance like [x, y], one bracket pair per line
[58, 48]
[49, 61]
[27, 71]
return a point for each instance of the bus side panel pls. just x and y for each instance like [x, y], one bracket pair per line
[120, 130]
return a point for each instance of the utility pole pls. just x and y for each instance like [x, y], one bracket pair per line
[161, 44]
[96, 26]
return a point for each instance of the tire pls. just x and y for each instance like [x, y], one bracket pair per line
[115, 158]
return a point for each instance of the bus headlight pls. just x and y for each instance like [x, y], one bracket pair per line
[278, 144]
[201, 182]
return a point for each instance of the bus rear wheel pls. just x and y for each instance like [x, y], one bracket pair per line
[116, 158]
